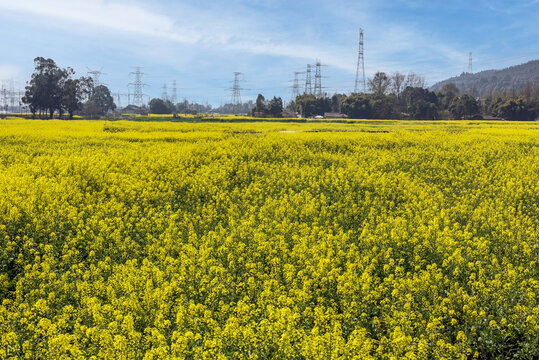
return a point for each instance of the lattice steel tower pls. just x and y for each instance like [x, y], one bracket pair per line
[470, 64]
[295, 87]
[137, 87]
[318, 79]
[174, 96]
[164, 96]
[360, 66]
[308, 79]
[95, 74]
[236, 95]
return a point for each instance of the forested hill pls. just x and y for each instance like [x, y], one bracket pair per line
[514, 77]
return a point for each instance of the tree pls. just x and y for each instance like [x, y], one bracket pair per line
[310, 105]
[383, 106]
[74, 93]
[380, 83]
[447, 94]
[53, 89]
[275, 107]
[464, 106]
[158, 106]
[397, 82]
[260, 107]
[101, 101]
[357, 106]
[517, 109]
[420, 103]
[44, 92]
[414, 80]
[336, 101]
[90, 109]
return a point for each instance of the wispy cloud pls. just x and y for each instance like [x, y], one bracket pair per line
[196, 27]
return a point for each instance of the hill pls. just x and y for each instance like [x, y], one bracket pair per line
[508, 79]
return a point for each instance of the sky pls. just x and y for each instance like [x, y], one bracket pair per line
[201, 43]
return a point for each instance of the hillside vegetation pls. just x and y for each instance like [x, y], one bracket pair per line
[510, 80]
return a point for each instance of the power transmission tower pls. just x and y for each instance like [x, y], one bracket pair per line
[20, 101]
[360, 65]
[470, 64]
[236, 95]
[318, 79]
[138, 96]
[174, 97]
[95, 74]
[308, 79]
[164, 96]
[295, 86]
[12, 95]
[119, 99]
[4, 98]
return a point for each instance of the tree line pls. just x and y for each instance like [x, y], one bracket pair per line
[52, 89]
[390, 96]
[405, 97]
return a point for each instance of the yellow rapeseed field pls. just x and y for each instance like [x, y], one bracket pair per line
[366, 240]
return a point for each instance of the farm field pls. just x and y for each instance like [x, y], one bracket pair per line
[361, 240]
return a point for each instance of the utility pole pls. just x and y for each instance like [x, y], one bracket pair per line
[360, 65]
[138, 86]
[470, 64]
[308, 79]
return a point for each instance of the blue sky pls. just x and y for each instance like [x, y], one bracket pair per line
[201, 43]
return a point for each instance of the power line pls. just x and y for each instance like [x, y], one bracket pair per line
[360, 64]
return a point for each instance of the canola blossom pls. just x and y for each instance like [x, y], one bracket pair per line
[366, 240]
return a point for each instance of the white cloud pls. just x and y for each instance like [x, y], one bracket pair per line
[110, 15]
[195, 27]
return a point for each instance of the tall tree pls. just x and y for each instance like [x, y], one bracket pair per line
[275, 107]
[357, 106]
[74, 93]
[101, 100]
[447, 94]
[260, 107]
[414, 80]
[380, 83]
[158, 106]
[44, 91]
[464, 106]
[397, 83]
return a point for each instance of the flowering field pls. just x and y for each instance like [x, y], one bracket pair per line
[382, 240]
